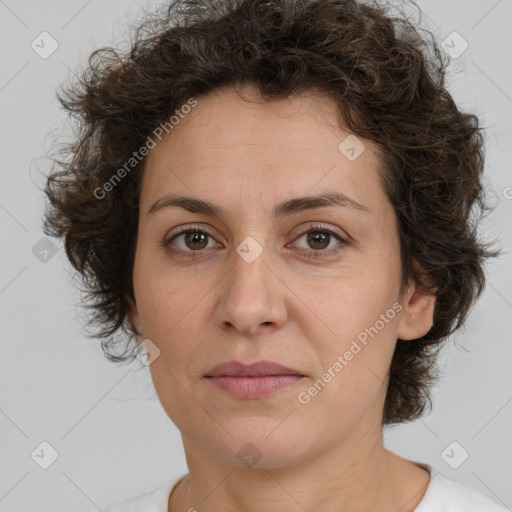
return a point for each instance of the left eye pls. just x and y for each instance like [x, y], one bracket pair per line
[319, 239]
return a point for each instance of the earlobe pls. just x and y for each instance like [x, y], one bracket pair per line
[417, 314]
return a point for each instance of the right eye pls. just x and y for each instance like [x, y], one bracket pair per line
[194, 241]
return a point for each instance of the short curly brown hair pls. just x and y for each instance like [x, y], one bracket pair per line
[389, 84]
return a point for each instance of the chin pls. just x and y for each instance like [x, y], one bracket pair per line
[258, 443]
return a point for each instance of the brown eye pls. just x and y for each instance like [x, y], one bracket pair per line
[188, 242]
[318, 239]
[196, 239]
[321, 240]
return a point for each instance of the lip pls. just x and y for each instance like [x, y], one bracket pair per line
[258, 369]
[254, 387]
[252, 381]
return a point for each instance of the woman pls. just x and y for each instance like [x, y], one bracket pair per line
[273, 198]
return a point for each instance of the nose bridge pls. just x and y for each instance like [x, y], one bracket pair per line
[251, 294]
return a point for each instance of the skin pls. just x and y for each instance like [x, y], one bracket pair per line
[285, 306]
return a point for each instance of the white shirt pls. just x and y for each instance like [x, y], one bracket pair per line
[442, 495]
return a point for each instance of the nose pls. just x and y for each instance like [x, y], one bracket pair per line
[252, 297]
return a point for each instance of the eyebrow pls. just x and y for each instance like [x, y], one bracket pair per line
[287, 207]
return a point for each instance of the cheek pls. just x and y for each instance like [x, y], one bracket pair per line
[164, 297]
[347, 305]
[354, 379]
[356, 339]
[173, 315]
[171, 319]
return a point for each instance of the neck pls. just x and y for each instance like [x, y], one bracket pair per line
[358, 474]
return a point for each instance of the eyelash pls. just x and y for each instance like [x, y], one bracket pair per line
[313, 254]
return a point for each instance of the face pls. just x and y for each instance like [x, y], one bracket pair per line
[312, 287]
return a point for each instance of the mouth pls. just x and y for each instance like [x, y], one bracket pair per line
[258, 369]
[253, 381]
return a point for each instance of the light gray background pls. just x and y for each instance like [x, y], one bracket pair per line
[113, 438]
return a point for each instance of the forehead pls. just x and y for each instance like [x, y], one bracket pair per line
[281, 147]
[222, 118]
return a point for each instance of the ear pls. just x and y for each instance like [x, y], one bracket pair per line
[417, 317]
[133, 318]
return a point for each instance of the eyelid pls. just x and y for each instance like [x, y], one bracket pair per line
[343, 239]
[320, 226]
[185, 229]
